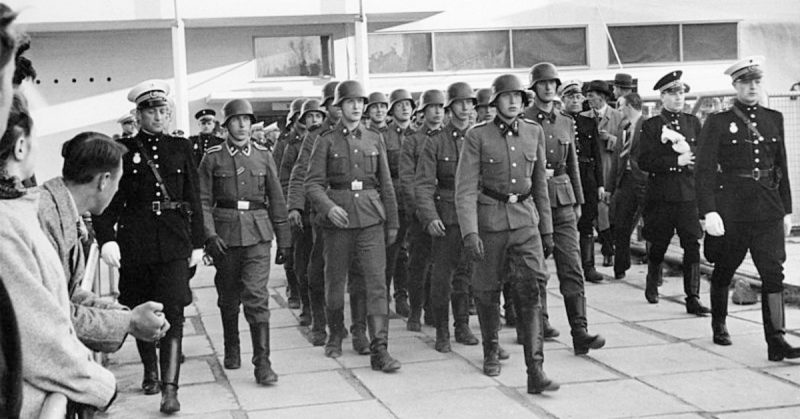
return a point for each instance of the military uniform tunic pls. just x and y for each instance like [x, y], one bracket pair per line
[590, 168]
[201, 143]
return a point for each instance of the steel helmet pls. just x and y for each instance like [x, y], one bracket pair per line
[375, 98]
[460, 90]
[311, 105]
[238, 107]
[399, 95]
[507, 83]
[328, 91]
[431, 97]
[348, 89]
[294, 110]
[542, 72]
[483, 96]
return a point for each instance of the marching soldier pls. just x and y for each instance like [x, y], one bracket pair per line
[434, 192]
[128, 124]
[401, 106]
[207, 119]
[502, 165]
[743, 191]
[350, 186]
[566, 197]
[485, 111]
[243, 210]
[333, 113]
[668, 141]
[159, 233]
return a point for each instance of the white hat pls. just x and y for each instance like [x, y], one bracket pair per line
[747, 69]
[149, 94]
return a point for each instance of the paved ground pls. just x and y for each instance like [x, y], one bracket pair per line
[659, 362]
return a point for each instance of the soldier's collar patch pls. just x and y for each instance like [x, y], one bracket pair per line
[233, 149]
[431, 132]
[356, 132]
[505, 128]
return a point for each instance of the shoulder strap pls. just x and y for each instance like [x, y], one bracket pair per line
[152, 164]
[747, 121]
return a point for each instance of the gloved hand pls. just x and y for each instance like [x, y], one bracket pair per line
[148, 322]
[547, 245]
[281, 254]
[216, 247]
[196, 257]
[787, 224]
[474, 246]
[296, 219]
[436, 228]
[391, 236]
[110, 254]
[686, 158]
[714, 224]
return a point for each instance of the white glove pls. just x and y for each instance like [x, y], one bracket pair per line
[787, 224]
[196, 257]
[670, 135]
[110, 254]
[714, 225]
[681, 146]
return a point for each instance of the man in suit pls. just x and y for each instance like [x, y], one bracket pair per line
[623, 84]
[628, 188]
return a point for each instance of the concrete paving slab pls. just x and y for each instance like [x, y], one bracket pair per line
[625, 302]
[693, 327]
[792, 316]
[195, 371]
[205, 300]
[781, 413]
[748, 350]
[789, 370]
[199, 401]
[406, 350]
[678, 416]
[726, 390]
[188, 327]
[610, 399]
[197, 345]
[661, 359]
[202, 399]
[366, 409]
[621, 335]
[560, 365]
[558, 317]
[293, 390]
[477, 403]
[190, 311]
[300, 360]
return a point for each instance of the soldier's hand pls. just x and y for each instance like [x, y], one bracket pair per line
[685, 159]
[601, 192]
[391, 236]
[338, 217]
[547, 245]
[196, 257]
[295, 219]
[474, 246]
[281, 255]
[216, 247]
[714, 224]
[787, 224]
[436, 228]
[110, 254]
[577, 211]
[148, 322]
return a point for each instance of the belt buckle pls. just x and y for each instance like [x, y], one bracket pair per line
[156, 206]
[550, 173]
[243, 205]
[513, 198]
[756, 174]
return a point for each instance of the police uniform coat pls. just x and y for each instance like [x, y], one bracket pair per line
[201, 143]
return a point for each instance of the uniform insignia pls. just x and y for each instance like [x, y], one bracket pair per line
[733, 128]
[239, 171]
[195, 146]
[137, 158]
[213, 149]
[260, 146]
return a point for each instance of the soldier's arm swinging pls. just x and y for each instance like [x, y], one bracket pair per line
[425, 188]
[388, 196]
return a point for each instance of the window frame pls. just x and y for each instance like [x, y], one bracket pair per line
[331, 57]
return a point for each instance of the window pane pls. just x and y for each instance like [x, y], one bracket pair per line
[472, 50]
[293, 56]
[399, 53]
[644, 44]
[559, 46]
[714, 41]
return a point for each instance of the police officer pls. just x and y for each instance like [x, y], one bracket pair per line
[401, 106]
[566, 197]
[434, 192]
[243, 210]
[668, 141]
[743, 191]
[502, 165]
[349, 184]
[159, 233]
[207, 120]
[128, 124]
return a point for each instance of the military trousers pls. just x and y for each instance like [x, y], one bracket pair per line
[766, 242]
[589, 207]
[419, 247]
[452, 268]
[397, 261]
[361, 247]
[567, 253]
[521, 247]
[662, 220]
[628, 204]
[165, 282]
[303, 242]
[242, 277]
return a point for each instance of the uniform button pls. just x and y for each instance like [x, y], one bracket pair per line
[752, 116]
[179, 170]
[355, 151]
[447, 159]
[158, 193]
[156, 166]
[135, 171]
[513, 181]
[552, 151]
[755, 124]
[755, 151]
[356, 195]
[513, 165]
[512, 148]
[756, 160]
[755, 142]
[158, 212]
[156, 148]
[356, 165]
[550, 136]
[733, 142]
[491, 160]
[155, 156]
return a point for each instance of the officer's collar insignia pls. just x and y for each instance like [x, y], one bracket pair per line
[431, 132]
[356, 132]
[550, 116]
[233, 149]
[505, 128]
[137, 158]
[733, 128]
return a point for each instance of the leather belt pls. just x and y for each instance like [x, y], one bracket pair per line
[754, 174]
[158, 206]
[558, 171]
[241, 205]
[349, 186]
[511, 198]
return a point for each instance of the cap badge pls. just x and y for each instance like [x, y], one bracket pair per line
[733, 128]
[137, 158]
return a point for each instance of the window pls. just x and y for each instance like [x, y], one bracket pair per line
[399, 53]
[562, 47]
[714, 41]
[472, 50]
[673, 43]
[293, 56]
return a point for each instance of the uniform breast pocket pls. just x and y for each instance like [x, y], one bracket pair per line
[493, 165]
[370, 161]
[446, 166]
[337, 164]
[393, 156]
[221, 179]
[530, 160]
[259, 177]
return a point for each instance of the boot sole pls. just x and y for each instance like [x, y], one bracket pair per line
[550, 387]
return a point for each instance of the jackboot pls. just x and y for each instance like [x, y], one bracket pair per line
[333, 348]
[379, 358]
[464, 335]
[533, 349]
[653, 279]
[147, 352]
[415, 300]
[549, 331]
[230, 330]
[317, 335]
[263, 372]
[691, 287]
[170, 373]
[358, 314]
[489, 320]
[587, 259]
[607, 248]
[774, 328]
[442, 329]
[582, 341]
[508, 306]
[719, 310]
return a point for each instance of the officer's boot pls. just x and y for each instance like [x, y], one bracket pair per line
[691, 286]
[442, 313]
[719, 310]
[587, 259]
[147, 352]
[333, 348]
[774, 328]
[358, 314]
[582, 341]
[549, 331]
[464, 335]
[652, 280]
[489, 319]
[170, 372]
[263, 372]
[508, 306]
[530, 317]
[415, 300]
[230, 330]
[379, 359]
